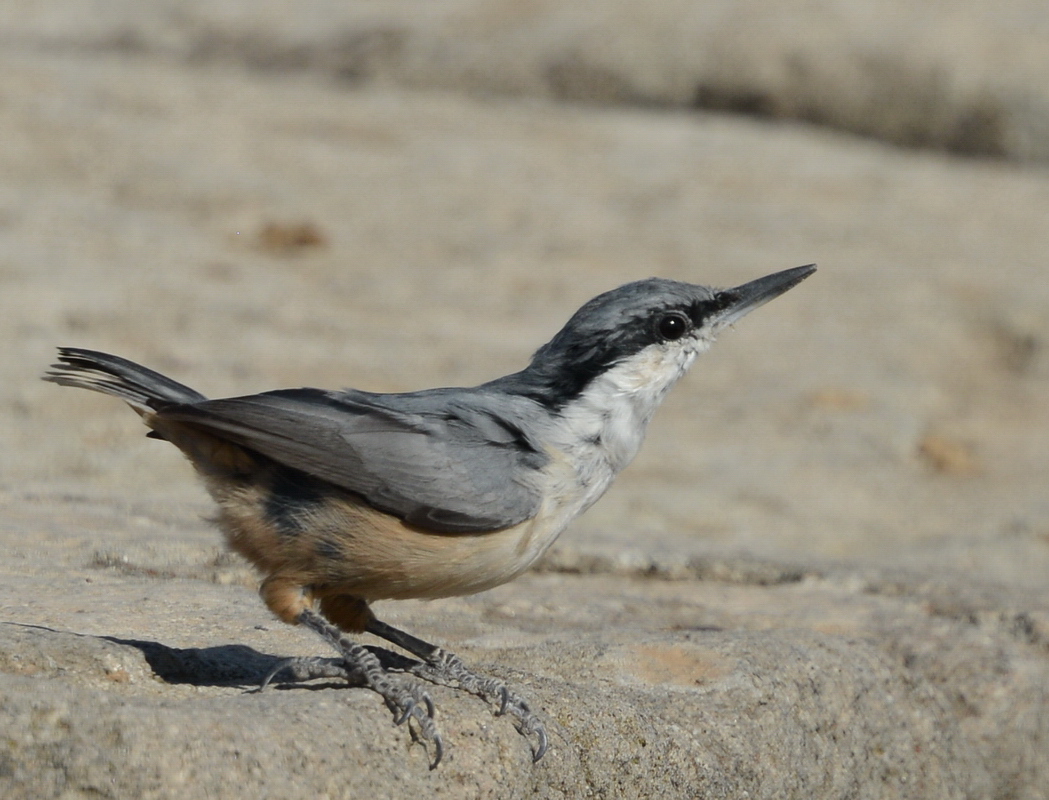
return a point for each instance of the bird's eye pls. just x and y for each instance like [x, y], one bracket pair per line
[673, 326]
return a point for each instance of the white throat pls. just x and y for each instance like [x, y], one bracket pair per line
[600, 432]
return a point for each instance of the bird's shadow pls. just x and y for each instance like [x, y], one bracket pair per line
[237, 665]
[232, 665]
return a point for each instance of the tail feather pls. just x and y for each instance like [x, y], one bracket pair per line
[141, 388]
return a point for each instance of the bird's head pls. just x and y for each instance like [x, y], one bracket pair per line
[644, 335]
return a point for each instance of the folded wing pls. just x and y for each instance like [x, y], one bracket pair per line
[442, 464]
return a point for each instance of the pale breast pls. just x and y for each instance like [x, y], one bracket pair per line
[333, 542]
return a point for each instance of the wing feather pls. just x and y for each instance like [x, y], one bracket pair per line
[438, 463]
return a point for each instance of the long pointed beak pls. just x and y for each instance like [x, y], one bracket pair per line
[741, 300]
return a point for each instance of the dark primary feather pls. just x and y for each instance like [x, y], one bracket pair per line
[437, 459]
[101, 372]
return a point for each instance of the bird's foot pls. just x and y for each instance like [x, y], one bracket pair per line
[359, 666]
[376, 668]
[447, 669]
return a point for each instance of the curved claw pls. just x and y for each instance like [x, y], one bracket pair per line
[504, 694]
[406, 714]
[413, 705]
[540, 750]
[273, 673]
[438, 751]
[430, 708]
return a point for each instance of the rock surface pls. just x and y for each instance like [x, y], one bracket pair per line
[825, 575]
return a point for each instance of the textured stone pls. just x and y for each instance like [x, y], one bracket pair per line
[825, 575]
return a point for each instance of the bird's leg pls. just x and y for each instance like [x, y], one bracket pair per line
[447, 669]
[359, 665]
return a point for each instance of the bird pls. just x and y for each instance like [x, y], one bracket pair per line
[340, 498]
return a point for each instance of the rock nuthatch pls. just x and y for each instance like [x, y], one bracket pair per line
[340, 498]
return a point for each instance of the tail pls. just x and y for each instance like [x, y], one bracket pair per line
[142, 389]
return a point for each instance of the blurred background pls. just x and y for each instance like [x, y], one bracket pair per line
[399, 195]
